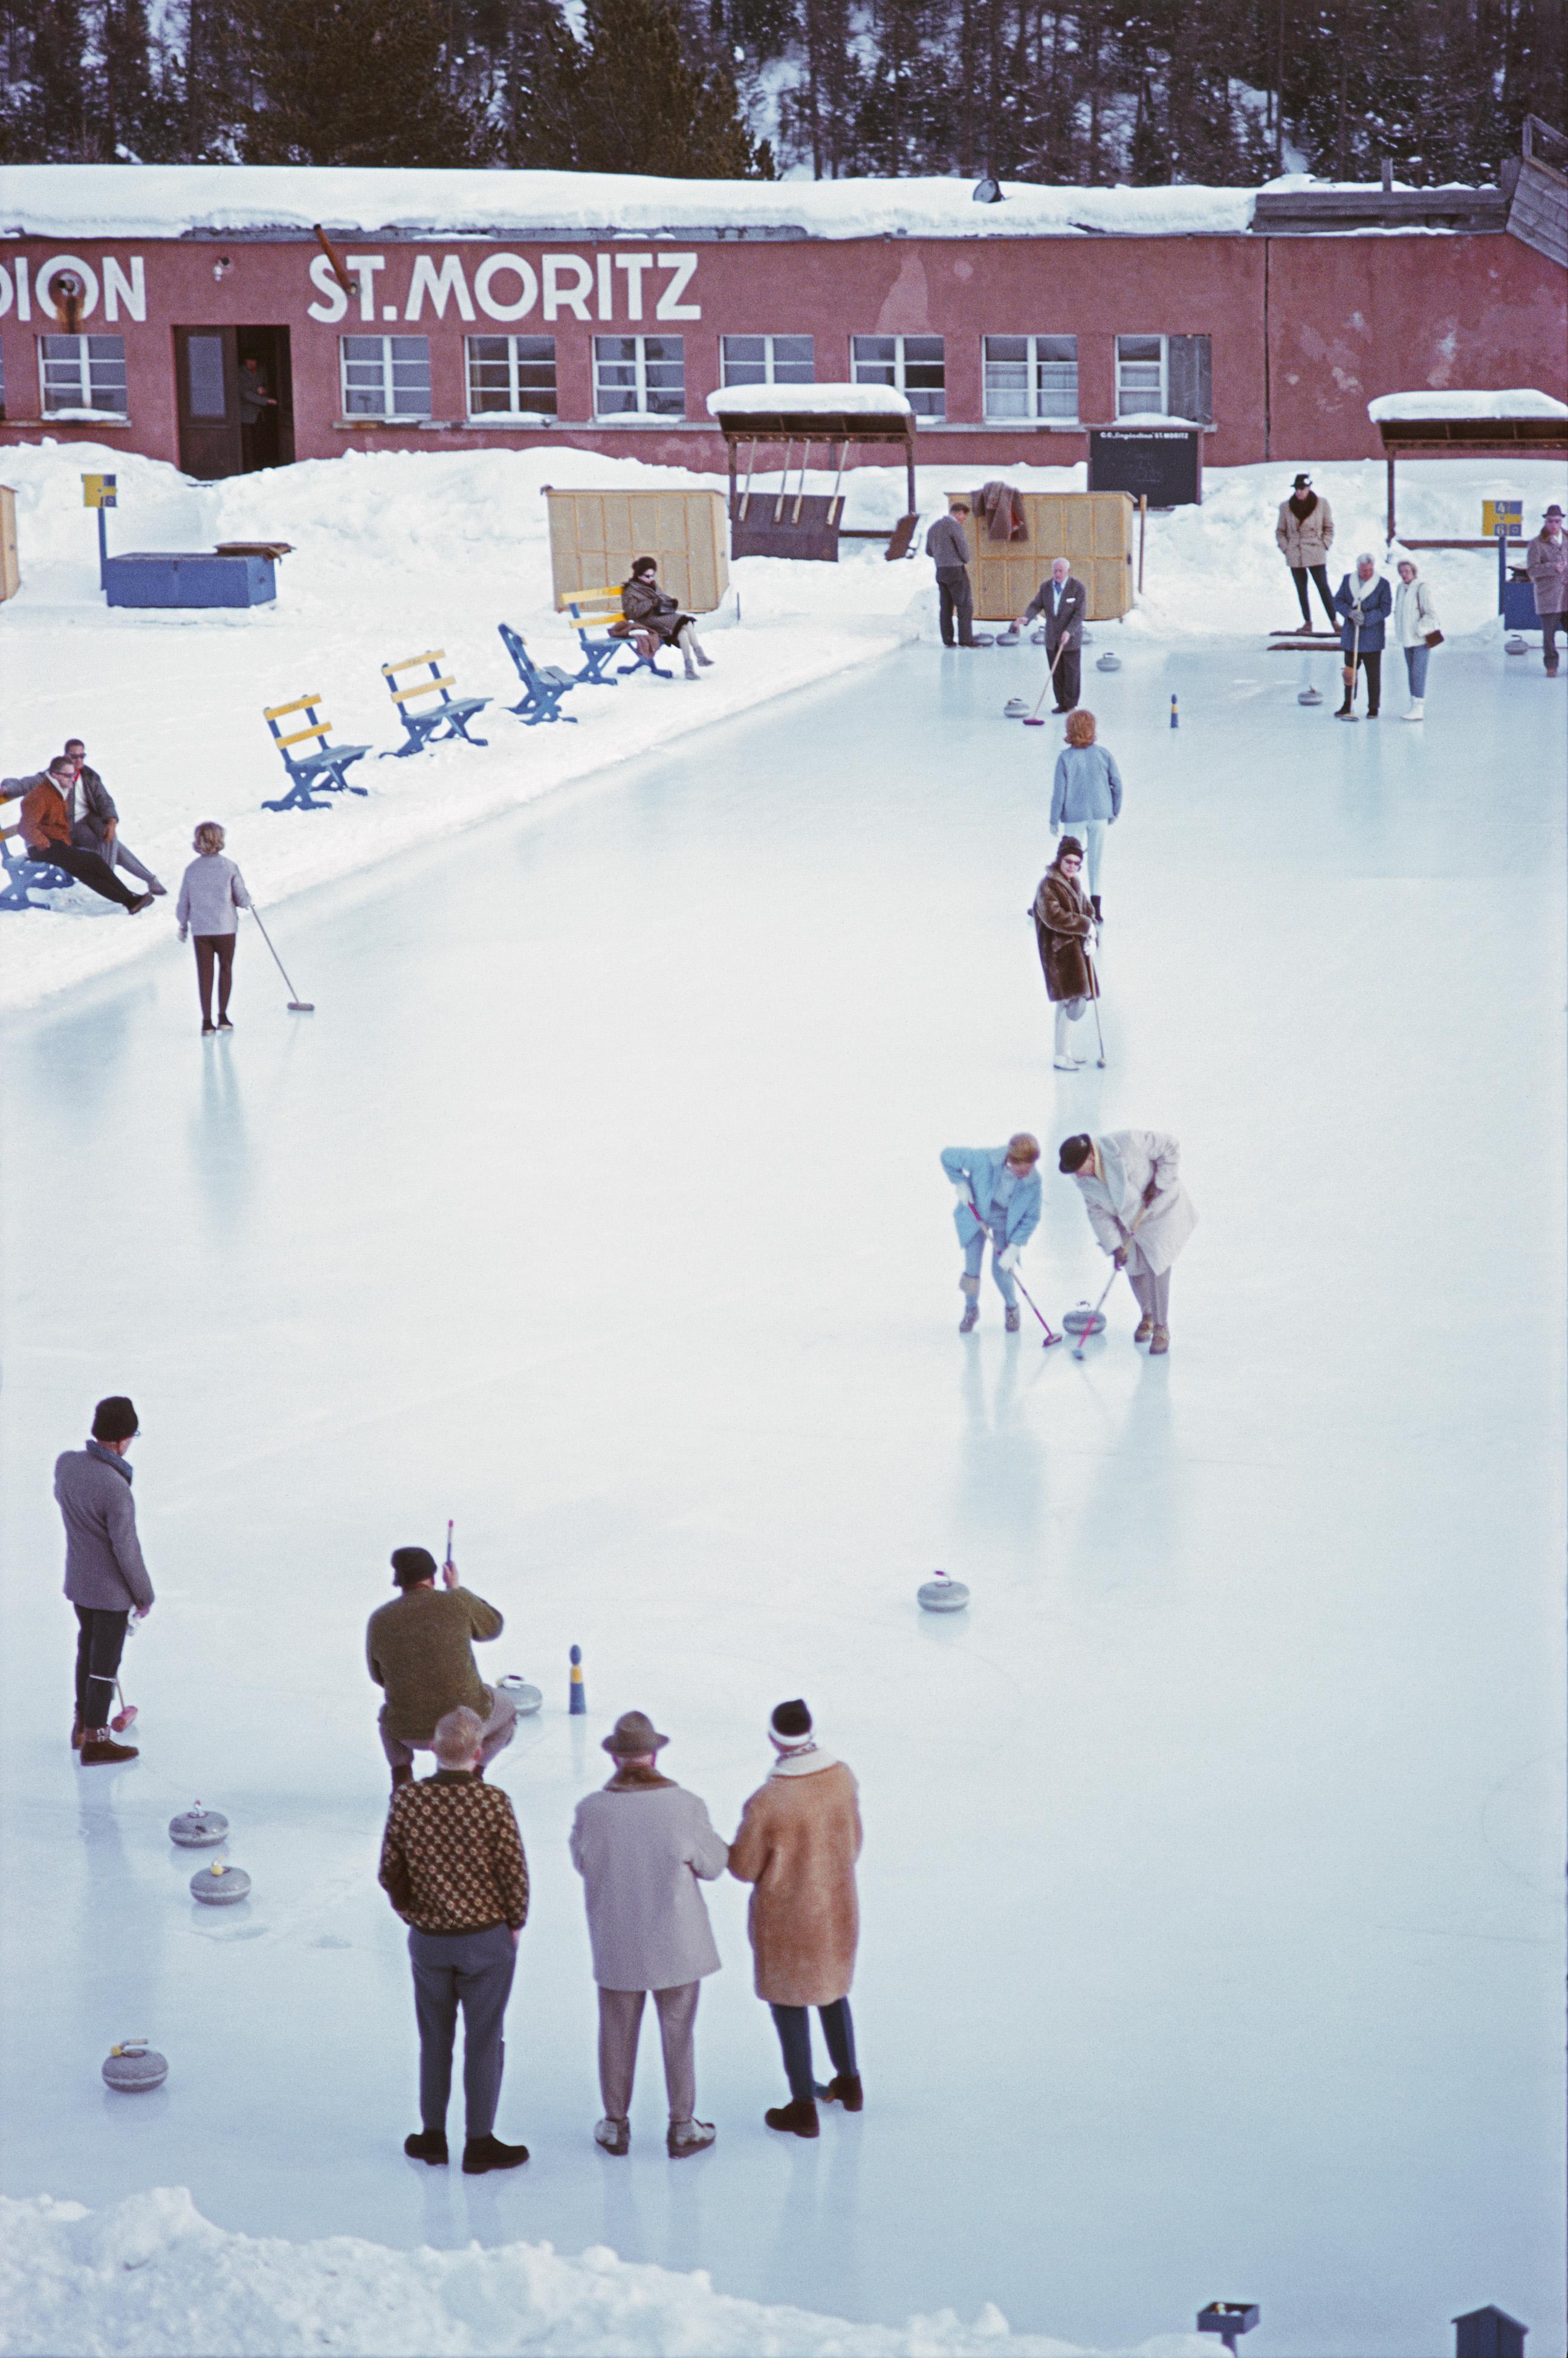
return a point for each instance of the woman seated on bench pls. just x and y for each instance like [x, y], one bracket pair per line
[654, 613]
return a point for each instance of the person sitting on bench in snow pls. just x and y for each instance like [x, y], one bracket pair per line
[654, 614]
[95, 821]
[45, 832]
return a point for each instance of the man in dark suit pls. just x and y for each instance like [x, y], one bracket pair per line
[1063, 602]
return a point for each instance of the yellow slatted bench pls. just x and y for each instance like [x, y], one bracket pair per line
[321, 770]
[450, 717]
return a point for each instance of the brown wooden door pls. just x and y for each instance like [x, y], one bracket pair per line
[206, 373]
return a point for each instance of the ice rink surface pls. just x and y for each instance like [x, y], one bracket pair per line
[1212, 1939]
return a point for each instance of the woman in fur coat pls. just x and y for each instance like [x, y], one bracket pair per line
[1064, 928]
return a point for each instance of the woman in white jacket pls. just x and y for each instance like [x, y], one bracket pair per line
[212, 894]
[1416, 630]
[1140, 1214]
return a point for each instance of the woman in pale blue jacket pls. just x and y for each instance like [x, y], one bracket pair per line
[1085, 794]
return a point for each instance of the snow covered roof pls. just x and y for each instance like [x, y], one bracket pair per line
[1523, 402]
[808, 400]
[121, 200]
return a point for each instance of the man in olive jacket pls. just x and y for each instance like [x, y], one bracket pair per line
[420, 1650]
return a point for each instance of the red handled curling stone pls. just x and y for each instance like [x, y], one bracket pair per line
[942, 1595]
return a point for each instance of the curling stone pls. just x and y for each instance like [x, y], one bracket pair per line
[941, 1595]
[1015, 708]
[1085, 1321]
[1108, 661]
[1010, 637]
[198, 1829]
[133, 2066]
[1037, 636]
[219, 1885]
[1515, 645]
[523, 1698]
[1310, 696]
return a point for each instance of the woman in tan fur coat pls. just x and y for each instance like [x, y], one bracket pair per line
[798, 1844]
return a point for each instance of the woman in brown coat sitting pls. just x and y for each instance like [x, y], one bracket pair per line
[799, 1839]
[1063, 927]
[655, 614]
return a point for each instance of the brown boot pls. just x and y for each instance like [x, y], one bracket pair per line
[1158, 1342]
[99, 1748]
[404, 1776]
[76, 1733]
[1144, 1328]
[845, 2089]
[799, 2117]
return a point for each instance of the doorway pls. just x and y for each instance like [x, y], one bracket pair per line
[235, 390]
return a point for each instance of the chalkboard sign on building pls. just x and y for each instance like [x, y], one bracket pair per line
[1163, 462]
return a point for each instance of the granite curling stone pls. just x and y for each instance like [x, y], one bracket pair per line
[198, 1829]
[940, 1594]
[522, 1697]
[219, 1886]
[133, 2066]
[1108, 661]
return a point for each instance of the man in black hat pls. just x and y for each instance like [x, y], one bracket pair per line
[1305, 534]
[105, 1578]
[419, 1648]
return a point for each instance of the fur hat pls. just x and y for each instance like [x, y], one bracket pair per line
[634, 1738]
[114, 1419]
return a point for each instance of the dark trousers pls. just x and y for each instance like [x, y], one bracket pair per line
[793, 2024]
[100, 1643]
[1372, 665]
[1550, 626]
[88, 868]
[1067, 674]
[1319, 574]
[472, 1970]
[208, 947]
[955, 605]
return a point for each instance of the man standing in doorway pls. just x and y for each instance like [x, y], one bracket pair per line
[947, 547]
[258, 416]
[1064, 601]
[105, 1578]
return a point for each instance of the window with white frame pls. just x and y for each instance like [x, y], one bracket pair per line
[639, 376]
[1032, 376]
[386, 376]
[913, 363]
[82, 372]
[769, 359]
[512, 376]
[1167, 376]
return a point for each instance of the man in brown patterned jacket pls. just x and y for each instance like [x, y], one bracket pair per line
[452, 1861]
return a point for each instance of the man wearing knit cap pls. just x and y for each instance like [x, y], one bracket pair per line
[105, 1578]
[998, 1188]
[419, 1648]
[798, 1844]
[640, 1846]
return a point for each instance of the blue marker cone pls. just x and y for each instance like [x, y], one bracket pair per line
[1175, 722]
[578, 1702]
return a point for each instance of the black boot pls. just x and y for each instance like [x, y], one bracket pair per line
[1093, 903]
[845, 2089]
[798, 2116]
[485, 2153]
[427, 2145]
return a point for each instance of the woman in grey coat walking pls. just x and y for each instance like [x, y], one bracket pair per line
[640, 1845]
[211, 893]
[1085, 794]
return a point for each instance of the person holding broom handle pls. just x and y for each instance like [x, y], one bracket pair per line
[1364, 603]
[1140, 1214]
[212, 894]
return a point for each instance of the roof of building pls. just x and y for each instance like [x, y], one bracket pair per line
[1519, 401]
[257, 201]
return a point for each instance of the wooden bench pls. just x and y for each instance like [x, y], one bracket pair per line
[609, 617]
[450, 717]
[323, 769]
[543, 684]
[24, 876]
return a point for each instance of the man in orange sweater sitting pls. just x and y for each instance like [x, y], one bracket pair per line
[46, 832]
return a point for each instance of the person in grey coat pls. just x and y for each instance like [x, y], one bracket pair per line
[1085, 794]
[640, 1845]
[95, 821]
[211, 893]
[105, 1577]
[1365, 601]
[947, 547]
[1546, 563]
[1064, 602]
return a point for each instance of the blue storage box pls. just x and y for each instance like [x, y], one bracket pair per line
[1518, 606]
[190, 578]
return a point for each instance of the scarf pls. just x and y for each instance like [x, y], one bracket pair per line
[1301, 507]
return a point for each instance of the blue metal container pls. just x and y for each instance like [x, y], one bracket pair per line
[190, 578]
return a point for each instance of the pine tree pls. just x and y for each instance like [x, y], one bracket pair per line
[625, 99]
[356, 81]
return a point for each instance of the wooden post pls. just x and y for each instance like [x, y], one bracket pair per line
[731, 449]
[909, 470]
[1390, 491]
[1142, 520]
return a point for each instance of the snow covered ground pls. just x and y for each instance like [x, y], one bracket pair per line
[1212, 1943]
[395, 552]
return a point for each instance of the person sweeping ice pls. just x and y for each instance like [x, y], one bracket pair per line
[1140, 1214]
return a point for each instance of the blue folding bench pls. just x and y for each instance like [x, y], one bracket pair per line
[24, 875]
[451, 718]
[598, 653]
[543, 684]
[321, 770]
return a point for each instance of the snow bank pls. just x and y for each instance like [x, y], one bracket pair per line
[88, 200]
[399, 550]
[150, 2275]
[1523, 402]
[862, 400]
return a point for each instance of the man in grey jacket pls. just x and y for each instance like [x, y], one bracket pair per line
[640, 1845]
[1064, 601]
[947, 547]
[105, 1578]
[95, 821]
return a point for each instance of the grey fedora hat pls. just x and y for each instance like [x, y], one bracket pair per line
[633, 1735]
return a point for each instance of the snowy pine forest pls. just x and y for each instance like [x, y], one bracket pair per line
[1104, 90]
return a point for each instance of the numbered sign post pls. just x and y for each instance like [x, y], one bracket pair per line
[100, 491]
